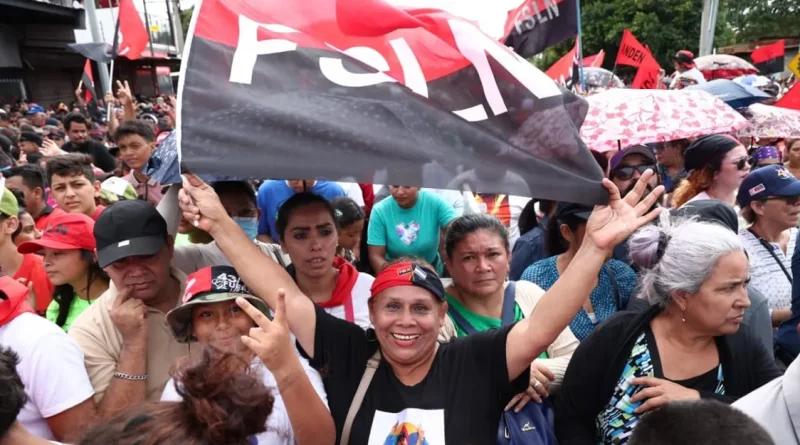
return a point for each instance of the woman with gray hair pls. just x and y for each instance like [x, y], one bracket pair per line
[688, 345]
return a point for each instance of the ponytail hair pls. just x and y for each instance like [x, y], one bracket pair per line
[347, 212]
[698, 181]
[64, 294]
[223, 403]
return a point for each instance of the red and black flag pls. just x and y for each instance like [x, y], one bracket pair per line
[87, 79]
[769, 59]
[361, 88]
[131, 36]
[540, 24]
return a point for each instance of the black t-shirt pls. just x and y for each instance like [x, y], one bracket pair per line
[458, 403]
[101, 158]
[706, 382]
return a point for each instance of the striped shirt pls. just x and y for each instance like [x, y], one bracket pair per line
[766, 274]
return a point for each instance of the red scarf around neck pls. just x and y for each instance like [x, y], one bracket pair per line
[342, 293]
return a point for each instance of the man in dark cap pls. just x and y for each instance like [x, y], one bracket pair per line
[686, 73]
[124, 335]
[29, 142]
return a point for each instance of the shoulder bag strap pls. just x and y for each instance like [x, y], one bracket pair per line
[509, 303]
[358, 399]
[771, 249]
[460, 320]
[614, 285]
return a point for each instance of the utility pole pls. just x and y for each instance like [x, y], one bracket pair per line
[177, 27]
[708, 25]
[97, 37]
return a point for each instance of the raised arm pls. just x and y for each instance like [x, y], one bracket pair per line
[608, 226]
[201, 206]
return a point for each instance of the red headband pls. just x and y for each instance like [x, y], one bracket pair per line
[408, 274]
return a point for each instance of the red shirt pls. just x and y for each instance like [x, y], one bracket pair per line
[49, 212]
[32, 270]
[97, 212]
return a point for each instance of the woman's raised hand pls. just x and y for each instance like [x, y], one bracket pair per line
[271, 341]
[611, 224]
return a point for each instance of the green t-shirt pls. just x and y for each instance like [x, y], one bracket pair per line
[480, 322]
[76, 308]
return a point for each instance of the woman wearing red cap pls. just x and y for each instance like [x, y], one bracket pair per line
[68, 249]
[398, 372]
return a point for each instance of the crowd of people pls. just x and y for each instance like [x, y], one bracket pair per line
[311, 311]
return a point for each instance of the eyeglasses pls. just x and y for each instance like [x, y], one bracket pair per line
[742, 163]
[626, 172]
[789, 200]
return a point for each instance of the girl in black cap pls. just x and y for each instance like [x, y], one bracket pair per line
[717, 164]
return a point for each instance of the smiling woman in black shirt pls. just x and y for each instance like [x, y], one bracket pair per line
[450, 393]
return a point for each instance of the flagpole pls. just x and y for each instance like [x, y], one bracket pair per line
[580, 47]
[149, 33]
[110, 79]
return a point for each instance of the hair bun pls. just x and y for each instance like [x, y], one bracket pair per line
[647, 245]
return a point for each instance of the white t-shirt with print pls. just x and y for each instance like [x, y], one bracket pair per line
[766, 274]
[51, 368]
[360, 296]
[279, 427]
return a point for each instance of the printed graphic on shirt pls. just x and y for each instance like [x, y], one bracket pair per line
[408, 427]
[407, 232]
[495, 205]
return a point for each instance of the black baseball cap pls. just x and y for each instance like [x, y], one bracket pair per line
[129, 228]
[29, 136]
[571, 209]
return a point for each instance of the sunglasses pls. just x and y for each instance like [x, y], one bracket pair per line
[789, 200]
[625, 173]
[742, 163]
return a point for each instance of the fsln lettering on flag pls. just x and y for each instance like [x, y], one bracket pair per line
[367, 90]
[540, 24]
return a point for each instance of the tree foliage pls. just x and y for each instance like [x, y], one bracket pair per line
[186, 18]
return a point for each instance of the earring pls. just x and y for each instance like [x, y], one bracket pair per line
[683, 314]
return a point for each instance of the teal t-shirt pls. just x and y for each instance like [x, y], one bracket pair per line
[411, 232]
[76, 308]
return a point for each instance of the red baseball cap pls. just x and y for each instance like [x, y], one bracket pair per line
[69, 231]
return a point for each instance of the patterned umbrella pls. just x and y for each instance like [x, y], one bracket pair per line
[624, 117]
[723, 66]
[597, 77]
[771, 122]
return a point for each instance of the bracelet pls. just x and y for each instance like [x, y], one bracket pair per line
[123, 376]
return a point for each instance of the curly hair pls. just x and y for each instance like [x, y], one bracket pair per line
[223, 403]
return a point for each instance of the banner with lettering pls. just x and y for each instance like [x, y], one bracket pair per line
[540, 24]
[384, 94]
[633, 53]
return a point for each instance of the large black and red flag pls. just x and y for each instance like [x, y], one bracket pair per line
[769, 59]
[362, 88]
[87, 79]
[540, 24]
